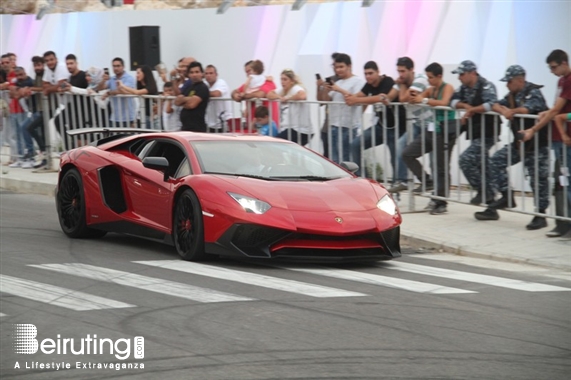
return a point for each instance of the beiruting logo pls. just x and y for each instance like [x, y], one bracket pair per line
[25, 342]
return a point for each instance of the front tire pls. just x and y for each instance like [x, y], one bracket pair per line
[188, 227]
[71, 207]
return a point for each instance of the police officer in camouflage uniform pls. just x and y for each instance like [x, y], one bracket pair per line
[476, 95]
[523, 98]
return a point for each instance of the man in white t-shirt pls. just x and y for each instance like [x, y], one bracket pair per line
[217, 111]
[344, 119]
[54, 75]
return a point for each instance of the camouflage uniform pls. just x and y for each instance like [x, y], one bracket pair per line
[483, 93]
[499, 162]
[531, 98]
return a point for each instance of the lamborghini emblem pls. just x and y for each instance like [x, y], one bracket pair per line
[338, 220]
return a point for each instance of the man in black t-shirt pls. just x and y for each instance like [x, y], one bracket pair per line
[74, 115]
[374, 92]
[194, 99]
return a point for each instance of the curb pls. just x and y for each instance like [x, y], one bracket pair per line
[466, 251]
[28, 187]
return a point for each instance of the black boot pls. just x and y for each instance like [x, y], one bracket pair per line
[536, 223]
[478, 199]
[487, 214]
[503, 202]
[560, 229]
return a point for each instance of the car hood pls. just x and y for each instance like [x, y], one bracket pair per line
[341, 195]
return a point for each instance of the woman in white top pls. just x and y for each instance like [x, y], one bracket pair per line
[295, 121]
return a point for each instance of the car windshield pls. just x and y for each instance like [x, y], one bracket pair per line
[265, 160]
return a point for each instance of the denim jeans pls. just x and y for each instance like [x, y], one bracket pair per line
[341, 138]
[395, 148]
[558, 149]
[18, 142]
[35, 127]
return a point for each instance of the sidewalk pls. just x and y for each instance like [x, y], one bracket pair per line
[506, 239]
[456, 232]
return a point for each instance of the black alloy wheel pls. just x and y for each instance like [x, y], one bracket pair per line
[71, 207]
[188, 227]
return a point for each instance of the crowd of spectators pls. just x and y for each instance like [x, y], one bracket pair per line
[409, 132]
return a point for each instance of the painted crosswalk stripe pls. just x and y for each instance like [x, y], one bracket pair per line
[55, 295]
[249, 278]
[156, 285]
[390, 282]
[474, 277]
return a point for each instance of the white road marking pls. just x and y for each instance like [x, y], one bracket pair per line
[2, 315]
[473, 277]
[390, 282]
[151, 284]
[55, 295]
[249, 278]
[498, 265]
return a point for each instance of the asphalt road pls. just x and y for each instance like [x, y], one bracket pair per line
[423, 316]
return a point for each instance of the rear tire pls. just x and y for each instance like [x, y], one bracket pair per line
[71, 207]
[188, 227]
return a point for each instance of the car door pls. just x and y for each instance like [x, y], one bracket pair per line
[149, 195]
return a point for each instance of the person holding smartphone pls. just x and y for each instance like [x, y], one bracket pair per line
[344, 119]
[124, 112]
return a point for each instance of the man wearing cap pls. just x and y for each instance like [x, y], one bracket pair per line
[558, 62]
[523, 98]
[476, 95]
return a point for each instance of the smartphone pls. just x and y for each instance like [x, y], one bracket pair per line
[106, 71]
[329, 81]
[63, 84]
[317, 76]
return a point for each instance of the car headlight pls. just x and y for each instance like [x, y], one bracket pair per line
[251, 204]
[387, 205]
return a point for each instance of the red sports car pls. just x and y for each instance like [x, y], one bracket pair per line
[226, 194]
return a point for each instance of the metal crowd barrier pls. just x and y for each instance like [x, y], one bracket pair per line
[73, 112]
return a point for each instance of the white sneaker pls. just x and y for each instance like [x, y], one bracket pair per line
[39, 158]
[17, 164]
[40, 164]
[28, 164]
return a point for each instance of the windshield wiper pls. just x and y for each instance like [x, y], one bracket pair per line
[307, 178]
[242, 175]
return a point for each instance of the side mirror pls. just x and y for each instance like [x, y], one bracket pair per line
[350, 166]
[157, 163]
